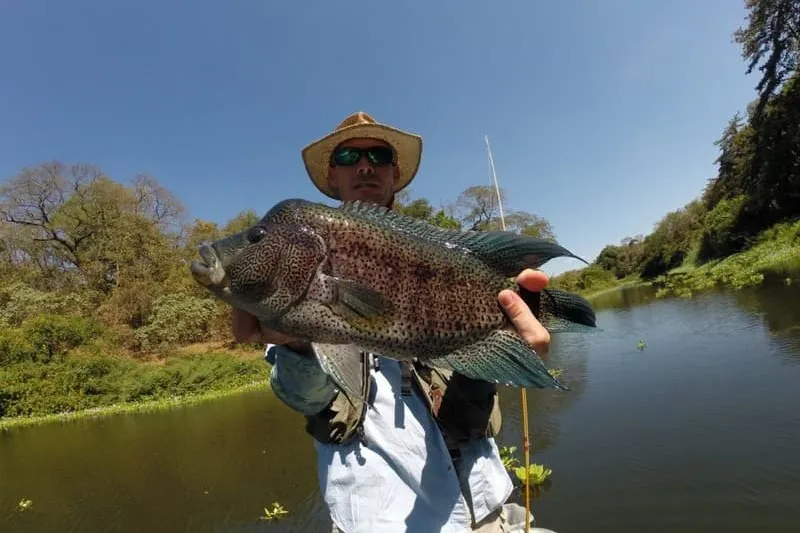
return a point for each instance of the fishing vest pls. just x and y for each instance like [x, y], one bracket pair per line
[464, 409]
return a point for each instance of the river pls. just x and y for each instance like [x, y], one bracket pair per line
[697, 432]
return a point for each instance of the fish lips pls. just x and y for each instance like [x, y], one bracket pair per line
[209, 271]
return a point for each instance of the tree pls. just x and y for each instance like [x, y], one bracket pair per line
[527, 224]
[422, 209]
[477, 207]
[771, 41]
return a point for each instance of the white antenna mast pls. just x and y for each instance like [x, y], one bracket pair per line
[496, 186]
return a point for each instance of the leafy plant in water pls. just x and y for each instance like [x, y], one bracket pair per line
[277, 512]
[507, 456]
[536, 475]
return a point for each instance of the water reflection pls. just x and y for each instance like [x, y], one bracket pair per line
[214, 466]
[778, 305]
[568, 353]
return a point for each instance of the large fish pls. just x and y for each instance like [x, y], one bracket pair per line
[360, 277]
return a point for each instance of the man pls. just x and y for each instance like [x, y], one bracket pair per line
[425, 459]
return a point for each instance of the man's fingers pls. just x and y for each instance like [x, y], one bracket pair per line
[245, 327]
[526, 324]
[533, 280]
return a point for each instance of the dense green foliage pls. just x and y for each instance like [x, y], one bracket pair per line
[749, 206]
[84, 381]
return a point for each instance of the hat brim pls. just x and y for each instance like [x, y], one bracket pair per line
[407, 146]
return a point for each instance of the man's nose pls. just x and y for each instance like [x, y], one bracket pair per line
[364, 166]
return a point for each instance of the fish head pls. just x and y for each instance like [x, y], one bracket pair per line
[264, 270]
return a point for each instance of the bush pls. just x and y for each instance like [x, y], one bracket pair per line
[52, 336]
[14, 347]
[720, 236]
[176, 318]
[591, 278]
[19, 301]
[80, 382]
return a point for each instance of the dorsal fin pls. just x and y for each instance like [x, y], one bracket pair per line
[506, 252]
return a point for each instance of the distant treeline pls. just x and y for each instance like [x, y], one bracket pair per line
[758, 181]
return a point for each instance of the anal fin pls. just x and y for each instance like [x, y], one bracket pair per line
[502, 357]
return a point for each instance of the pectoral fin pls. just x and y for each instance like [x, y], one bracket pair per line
[344, 364]
[359, 305]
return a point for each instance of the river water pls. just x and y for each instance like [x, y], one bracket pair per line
[697, 432]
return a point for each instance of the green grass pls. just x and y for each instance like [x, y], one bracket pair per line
[776, 253]
[91, 385]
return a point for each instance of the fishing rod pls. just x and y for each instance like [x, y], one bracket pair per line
[523, 391]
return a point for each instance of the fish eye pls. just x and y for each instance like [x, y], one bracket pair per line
[255, 234]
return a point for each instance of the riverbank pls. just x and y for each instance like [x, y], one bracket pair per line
[775, 253]
[135, 407]
[630, 282]
[81, 385]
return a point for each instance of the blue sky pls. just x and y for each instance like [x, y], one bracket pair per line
[601, 115]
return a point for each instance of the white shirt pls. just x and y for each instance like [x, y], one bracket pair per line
[404, 478]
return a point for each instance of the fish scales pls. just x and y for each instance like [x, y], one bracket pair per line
[437, 304]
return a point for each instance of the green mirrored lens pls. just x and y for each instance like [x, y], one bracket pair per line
[346, 156]
[379, 155]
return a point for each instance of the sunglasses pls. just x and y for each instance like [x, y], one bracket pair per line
[377, 155]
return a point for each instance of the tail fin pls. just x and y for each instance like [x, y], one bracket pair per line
[560, 311]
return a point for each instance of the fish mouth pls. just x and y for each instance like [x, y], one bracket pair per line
[209, 271]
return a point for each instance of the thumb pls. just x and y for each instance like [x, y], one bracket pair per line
[526, 324]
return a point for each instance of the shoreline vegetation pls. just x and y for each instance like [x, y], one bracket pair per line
[130, 407]
[98, 310]
[89, 384]
[775, 254]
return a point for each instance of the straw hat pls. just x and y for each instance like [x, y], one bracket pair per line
[407, 147]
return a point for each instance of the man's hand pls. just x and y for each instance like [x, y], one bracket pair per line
[528, 327]
[247, 329]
